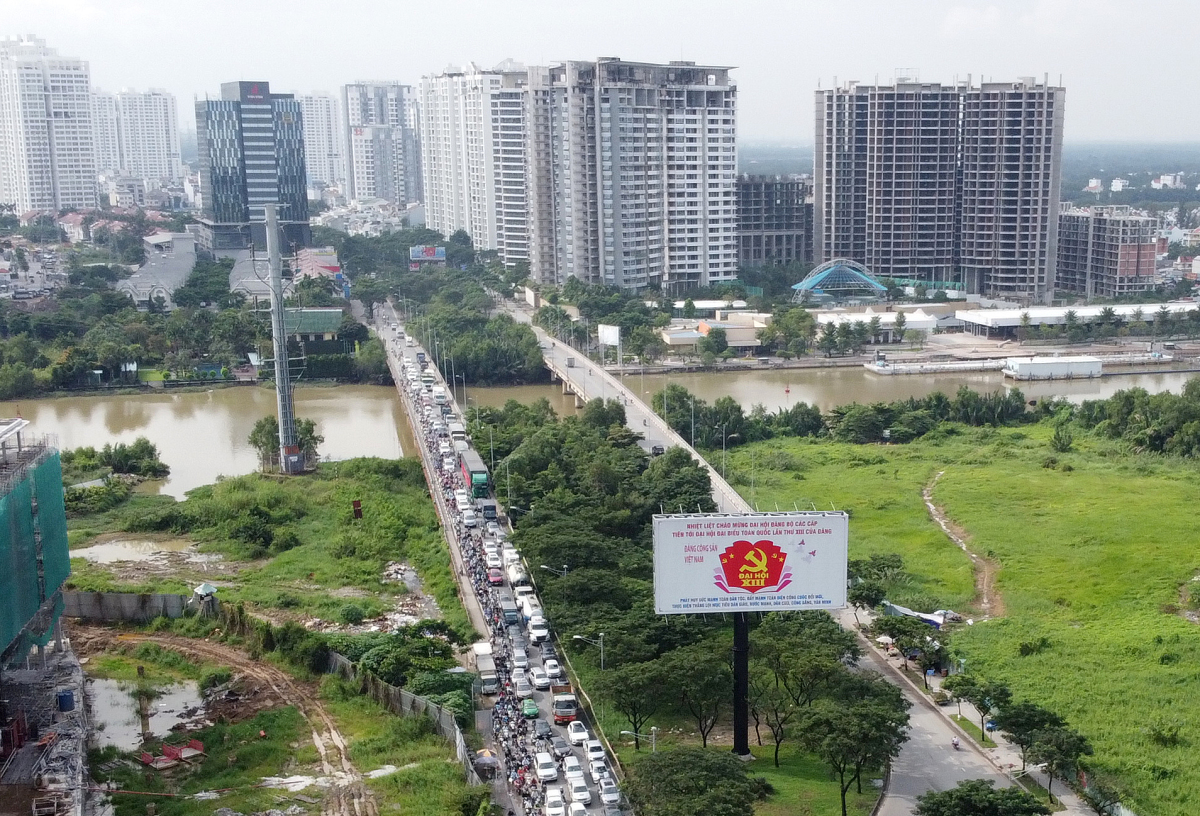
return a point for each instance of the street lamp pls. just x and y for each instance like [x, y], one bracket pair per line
[561, 573]
[653, 737]
[599, 642]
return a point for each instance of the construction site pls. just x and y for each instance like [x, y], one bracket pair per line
[43, 728]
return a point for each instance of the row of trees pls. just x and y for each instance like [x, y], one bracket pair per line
[724, 422]
[1160, 323]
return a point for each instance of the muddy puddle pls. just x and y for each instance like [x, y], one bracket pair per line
[121, 717]
[118, 550]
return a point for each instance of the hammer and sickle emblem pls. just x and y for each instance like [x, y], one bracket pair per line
[756, 560]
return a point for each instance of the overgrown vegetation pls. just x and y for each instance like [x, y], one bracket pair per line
[300, 538]
[1091, 629]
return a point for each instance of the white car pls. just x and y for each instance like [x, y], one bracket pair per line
[577, 809]
[493, 529]
[520, 659]
[547, 769]
[448, 463]
[579, 792]
[539, 678]
[469, 517]
[573, 769]
[491, 547]
[553, 669]
[463, 505]
[492, 560]
[599, 770]
[521, 685]
[462, 494]
[555, 806]
[610, 794]
[594, 750]
[577, 733]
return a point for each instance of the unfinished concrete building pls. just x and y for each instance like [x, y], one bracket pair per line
[1105, 251]
[42, 732]
[942, 184]
[774, 220]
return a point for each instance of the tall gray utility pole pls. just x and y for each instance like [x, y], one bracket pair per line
[290, 459]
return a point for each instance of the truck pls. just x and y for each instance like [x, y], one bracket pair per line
[439, 395]
[565, 708]
[458, 431]
[508, 608]
[487, 508]
[489, 681]
[421, 357]
[475, 473]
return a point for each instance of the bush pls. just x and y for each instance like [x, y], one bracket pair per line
[215, 677]
[351, 614]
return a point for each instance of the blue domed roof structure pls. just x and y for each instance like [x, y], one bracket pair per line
[836, 280]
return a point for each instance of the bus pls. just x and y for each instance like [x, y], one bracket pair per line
[474, 473]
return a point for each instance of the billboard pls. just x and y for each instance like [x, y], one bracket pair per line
[609, 335]
[752, 562]
[427, 254]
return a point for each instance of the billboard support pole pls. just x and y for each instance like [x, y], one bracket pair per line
[741, 684]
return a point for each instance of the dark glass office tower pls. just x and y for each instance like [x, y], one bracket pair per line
[251, 145]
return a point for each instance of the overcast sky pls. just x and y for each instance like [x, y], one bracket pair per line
[1129, 66]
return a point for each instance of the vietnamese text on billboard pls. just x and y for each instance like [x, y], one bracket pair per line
[757, 562]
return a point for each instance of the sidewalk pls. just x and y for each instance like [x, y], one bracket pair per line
[1005, 757]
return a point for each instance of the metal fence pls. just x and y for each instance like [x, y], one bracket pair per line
[405, 704]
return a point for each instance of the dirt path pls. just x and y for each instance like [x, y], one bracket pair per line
[348, 796]
[986, 596]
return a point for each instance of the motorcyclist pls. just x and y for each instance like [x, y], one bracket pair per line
[954, 742]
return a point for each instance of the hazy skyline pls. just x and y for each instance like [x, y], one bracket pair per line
[1126, 68]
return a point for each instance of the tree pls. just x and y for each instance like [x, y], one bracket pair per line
[915, 337]
[264, 438]
[689, 309]
[960, 687]
[690, 781]
[1022, 722]
[866, 595]
[861, 731]
[979, 797]
[636, 690]
[898, 326]
[715, 341]
[1102, 797]
[908, 634]
[1026, 322]
[703, 682]
[986, 696]
[1058, 750]
[775, 707]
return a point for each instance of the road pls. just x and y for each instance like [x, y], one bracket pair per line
[928, 760]
[467, 555]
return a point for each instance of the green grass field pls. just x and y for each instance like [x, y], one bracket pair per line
[1093, 549]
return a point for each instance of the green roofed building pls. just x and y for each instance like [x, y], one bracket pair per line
[312, 324]
[34, 558]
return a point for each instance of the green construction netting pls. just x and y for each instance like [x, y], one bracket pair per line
[19, 596]
[52, 518]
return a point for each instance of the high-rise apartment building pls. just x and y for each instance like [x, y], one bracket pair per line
[251, 147]
[383, 151]
[774, 220]
[324, 160]
[148, 125]
[474, 156]
[935, 183]
[633, 173]
[1105, 251]
[106, 136]
[47, 156]
[137, 135]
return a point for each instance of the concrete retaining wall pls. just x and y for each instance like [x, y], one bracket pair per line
[124, 606]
